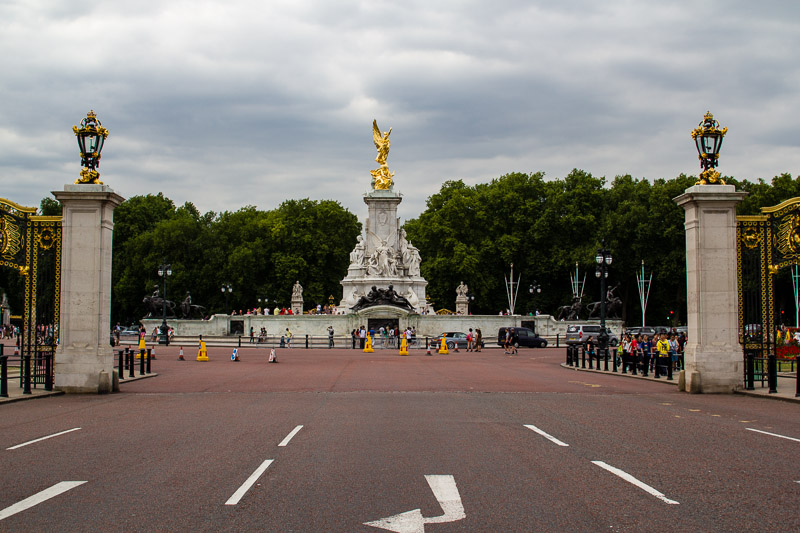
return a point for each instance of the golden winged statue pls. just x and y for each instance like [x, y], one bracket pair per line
[381, 177]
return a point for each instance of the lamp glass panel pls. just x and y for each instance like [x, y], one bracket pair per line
[609, 259]
[599, 258]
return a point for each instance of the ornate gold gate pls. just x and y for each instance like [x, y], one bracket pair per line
[766, 243]
[31, 245]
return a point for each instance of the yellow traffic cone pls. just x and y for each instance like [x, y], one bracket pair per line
[202, 353]
[404, 346]
[443, 347]
[368, 345]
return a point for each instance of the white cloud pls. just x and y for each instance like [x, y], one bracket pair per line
[233, 103]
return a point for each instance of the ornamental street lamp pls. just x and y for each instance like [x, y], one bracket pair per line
[164, 271]
[708, 139]
[265, 307]
[91, 136]
[603, 259]
[226, 290]
[534, 289]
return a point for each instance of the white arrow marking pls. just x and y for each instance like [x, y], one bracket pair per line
[446, 492]
[39, 497]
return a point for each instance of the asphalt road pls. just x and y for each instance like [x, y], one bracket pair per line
[507, 444]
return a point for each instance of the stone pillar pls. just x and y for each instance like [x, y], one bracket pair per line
[84, 360]
[712, 354]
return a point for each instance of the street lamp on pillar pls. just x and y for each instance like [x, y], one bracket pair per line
[226, 290]
[265, 307]
[534, 289]
[603, 259]
[164, 271]
[708, 139]
[91, 136]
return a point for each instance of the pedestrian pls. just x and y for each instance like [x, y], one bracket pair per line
[470, 344]
[288, 338]
[252, 335]
[478, 340]
[362, 335]
[330, 337]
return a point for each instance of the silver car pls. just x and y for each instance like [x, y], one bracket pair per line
[580, 333]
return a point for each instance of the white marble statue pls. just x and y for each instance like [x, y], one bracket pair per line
[357, 255]
[297, 291]
[412, 298]
[462, 290]
[382, 261]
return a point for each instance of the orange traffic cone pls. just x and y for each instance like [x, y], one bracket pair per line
[429, 349]
[180, 355]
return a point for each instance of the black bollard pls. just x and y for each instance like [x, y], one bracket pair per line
[591, 356]
[750, 370]
[669, 368]
[121, 364]
[48, 371]
[26, 376]
[306, 342]
[142, 355]
[569, 356]
[583, 356]
[129, 357]
[148, 361]
[3, 374]
[772, 373]
[605, 366]
[624, 362]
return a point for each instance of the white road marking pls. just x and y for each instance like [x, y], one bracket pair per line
[233, 500]
[546, 435]
[294, 432]
[40, 497]
[773, 434]
[630, 479]
[446, 492]
[42, 438]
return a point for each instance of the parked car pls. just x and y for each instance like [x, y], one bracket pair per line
[526, 337]
[453, 338]
[129, 332]
[639, 330]
[579, 333]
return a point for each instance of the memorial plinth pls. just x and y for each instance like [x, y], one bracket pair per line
[383, 256]
[713, 356]
[84, 359]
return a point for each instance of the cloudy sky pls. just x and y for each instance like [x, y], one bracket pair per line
[232, 103]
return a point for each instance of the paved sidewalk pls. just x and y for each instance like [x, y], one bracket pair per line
[15, 393]
[787, 383]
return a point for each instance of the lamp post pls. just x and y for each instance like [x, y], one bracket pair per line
[164, 271]
[708, 139]
[91, 136]
[226, 290]
[603, 259]
[534, 289]
[265, 301]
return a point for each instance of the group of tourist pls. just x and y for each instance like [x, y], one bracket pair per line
[383, 337]
[663, 350]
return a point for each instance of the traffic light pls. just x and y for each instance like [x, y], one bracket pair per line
[671, 314]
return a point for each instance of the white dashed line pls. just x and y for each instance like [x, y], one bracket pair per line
[773, 434]
[630, 479]
[40, 497]
[546, 435]
[294, 432]
[42, 438]
[233, 500]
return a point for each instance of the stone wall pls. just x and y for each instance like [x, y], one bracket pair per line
[317, 325]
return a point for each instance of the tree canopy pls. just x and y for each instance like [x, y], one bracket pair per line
[466, 233]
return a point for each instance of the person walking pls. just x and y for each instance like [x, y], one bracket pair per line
[470, 341]
[330, 337]
[288, 338]
[478, 339]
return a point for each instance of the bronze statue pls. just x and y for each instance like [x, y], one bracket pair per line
[572, 311]
[378, 296]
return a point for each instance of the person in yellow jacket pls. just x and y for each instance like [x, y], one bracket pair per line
[662, 347]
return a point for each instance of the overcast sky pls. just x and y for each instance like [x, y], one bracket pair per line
[232, 103]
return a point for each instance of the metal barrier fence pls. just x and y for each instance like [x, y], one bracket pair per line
[765, 370]
[34, 369]
[578, 354]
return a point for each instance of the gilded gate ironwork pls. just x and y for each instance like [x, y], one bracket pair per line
[766, 243]
[31, 245]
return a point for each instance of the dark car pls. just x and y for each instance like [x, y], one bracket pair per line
[453, 338]
[525, 337]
